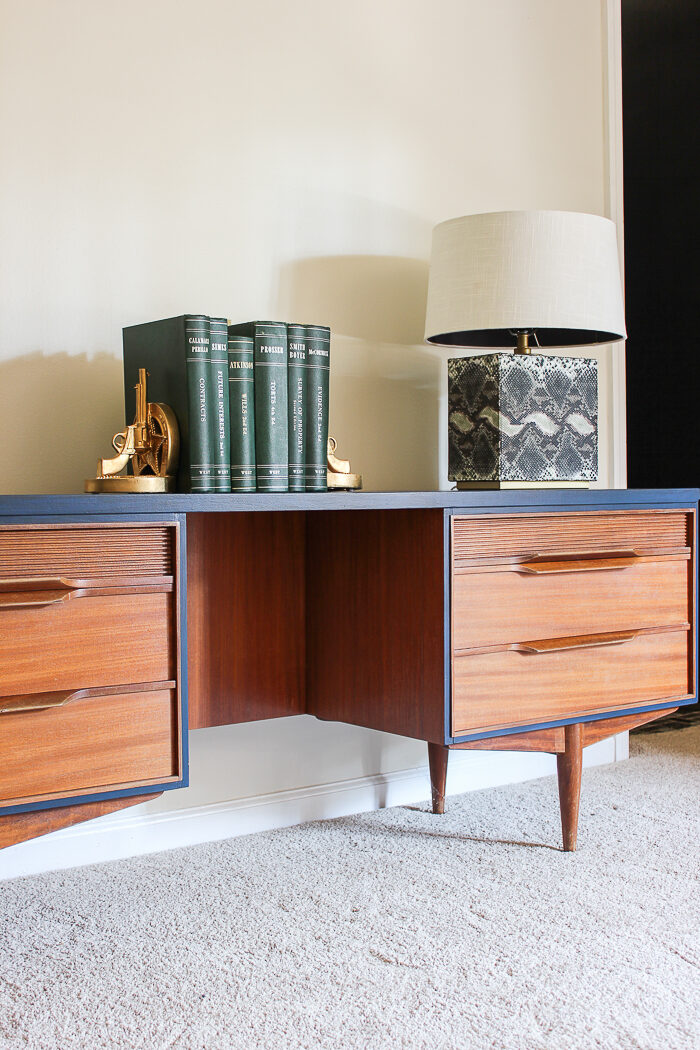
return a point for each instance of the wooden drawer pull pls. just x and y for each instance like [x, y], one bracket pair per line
[22, 592]
[586, 641]
[44, 701]
[39, 701]
[548, 564]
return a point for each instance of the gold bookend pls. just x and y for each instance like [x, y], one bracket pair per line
[151, 444]
[339, 475]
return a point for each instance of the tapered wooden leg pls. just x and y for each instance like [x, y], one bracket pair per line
[569, 775]
[438, 755]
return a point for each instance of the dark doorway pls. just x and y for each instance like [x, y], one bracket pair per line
[660, 43]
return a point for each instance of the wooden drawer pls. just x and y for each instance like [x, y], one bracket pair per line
[99, 742]
[103, 551]
[90, 640]
[491, 538]
[549, 680]
[89, 660]
[568, 596]
[87, 605]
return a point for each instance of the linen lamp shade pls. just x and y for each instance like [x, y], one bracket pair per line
[554, 272]
[503, 278]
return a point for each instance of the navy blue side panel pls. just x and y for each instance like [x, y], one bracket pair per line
[75, 800]
[184, 695]
[696, 625]
[447, 574]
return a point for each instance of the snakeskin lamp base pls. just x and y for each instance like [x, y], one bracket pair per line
[522, 418]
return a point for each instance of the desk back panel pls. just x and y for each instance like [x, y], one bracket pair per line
[376, 620]
[245, 616]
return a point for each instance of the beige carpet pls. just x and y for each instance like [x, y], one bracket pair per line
[389, 930]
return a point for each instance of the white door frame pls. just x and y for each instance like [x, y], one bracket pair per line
[612, 102]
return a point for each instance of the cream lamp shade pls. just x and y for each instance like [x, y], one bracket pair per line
[552, 272]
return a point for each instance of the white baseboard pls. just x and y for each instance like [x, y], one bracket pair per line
[134, 832]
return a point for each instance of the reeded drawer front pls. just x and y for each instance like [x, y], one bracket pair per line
[520, 685]
[90, 640]
[98, 551]
[497, 536]
[568, 596]
[110, 741]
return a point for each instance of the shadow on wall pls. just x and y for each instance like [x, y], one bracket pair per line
[384, 413]
[379, 298]
[384, 381]
[59, 411]
[57, 417]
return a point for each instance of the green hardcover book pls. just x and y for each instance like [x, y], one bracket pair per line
[177, 354]
[218, 330]
[270, 373]
[241, 397]
[318, 366]
[296, 385]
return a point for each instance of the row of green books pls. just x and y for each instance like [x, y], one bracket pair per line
[251, 399]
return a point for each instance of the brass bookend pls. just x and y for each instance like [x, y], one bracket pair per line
[151, 444]
[339, 475]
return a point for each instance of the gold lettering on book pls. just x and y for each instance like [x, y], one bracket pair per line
[221, 410]
[244, 413]
[202, 400]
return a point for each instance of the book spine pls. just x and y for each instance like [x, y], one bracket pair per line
[296, 385]
[318, 351]
[241, 387]
[200, 405]
[271, 434]
[221, 443]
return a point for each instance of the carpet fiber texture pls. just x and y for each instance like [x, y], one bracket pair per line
[386, 930]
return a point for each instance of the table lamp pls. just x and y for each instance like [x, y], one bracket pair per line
[520, 280]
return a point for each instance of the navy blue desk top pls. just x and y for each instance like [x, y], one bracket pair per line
[183, 503]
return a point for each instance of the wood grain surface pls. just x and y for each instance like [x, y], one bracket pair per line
[86, 549]
[18, 827]
[605, 727]
[438, 756]
[569, 765]
[517, 535]
[504, 605]
[549, 741]
[506, 688]
[375, 618]
[246, 617]
[552, 741]
[118, 741]
[89, 641]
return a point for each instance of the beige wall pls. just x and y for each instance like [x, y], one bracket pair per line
[281, 158]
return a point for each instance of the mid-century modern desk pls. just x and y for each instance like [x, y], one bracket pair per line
[496, 620]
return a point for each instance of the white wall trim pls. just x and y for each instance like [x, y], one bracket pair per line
[612, 43]
[614, 209]
[614, 190]
[134, 832]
